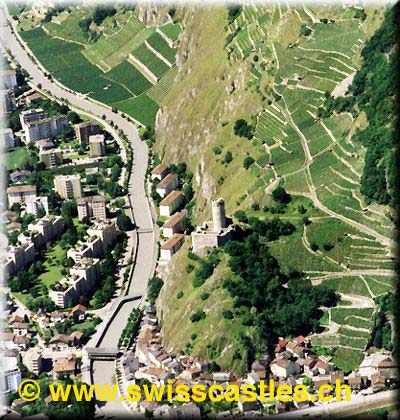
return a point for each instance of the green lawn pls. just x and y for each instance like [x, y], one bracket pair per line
[53, 270]
[14, 158]
[347, 359]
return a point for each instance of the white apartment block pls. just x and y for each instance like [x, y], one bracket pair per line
[68, 186]
[6, 139]
[35, 205]
[20, 194]
[9, 78]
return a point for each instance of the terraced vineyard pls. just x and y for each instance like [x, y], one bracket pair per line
[126, 60]
[316, 157]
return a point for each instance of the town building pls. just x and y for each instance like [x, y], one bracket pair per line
[45, 144]
[86, 129]
[9, 77]
[172, 246]
[37, 205]
[167, 184]
[7, 101]
[33, 99]
[105, 230]
[6, 139]
[97, 145]
[92, 207]
[215, 233]
[174, 224]
[31, 115]
[282, 368]
[82, 279]
[68, 186]
[159, 172]
[33, 360]
[49, 227]
[37, 126]
[19, 194]
[51, 157]
[171, 203]
[18, 176]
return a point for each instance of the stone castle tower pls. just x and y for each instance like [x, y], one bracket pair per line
[218, 214]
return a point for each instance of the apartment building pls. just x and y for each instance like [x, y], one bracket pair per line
[86, 129]
[37, 205]
[20, 194]
[9, 78]
[82, 280]
[6, 139]
[92, 207]
[51, 157]
[97, 145]
[7, 102]
[68, 186]
[45, 128]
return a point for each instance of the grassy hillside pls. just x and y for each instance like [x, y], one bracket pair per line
[272, 67]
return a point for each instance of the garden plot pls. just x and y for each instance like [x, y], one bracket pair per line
[159, 91]
[349, 327]
[128, 76]
[158, 44]
[171, 31]
[66, 26]
[155, 66]
[271, 126]
[141, 108]
[340, 37]
[109, 51]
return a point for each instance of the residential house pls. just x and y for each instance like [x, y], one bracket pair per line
[60, 342]
[167, 184]
[159, 172]
[171, 203]
[78, 312]
[20, 328]
[283, 368]
[172, 246]
[174, 224]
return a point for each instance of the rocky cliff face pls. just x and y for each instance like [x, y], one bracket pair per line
[152, 14]
[208, 96]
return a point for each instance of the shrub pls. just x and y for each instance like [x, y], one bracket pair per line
[227, 314]
[247, 162]
[305, 30]
[217, 150]
[204, 296]
[193, 337]
[189, 268]
[281, 196]
[197, 316]
[328, 246]
[314, 246]
[241, 216]
[179, 294]
[154, 288]
[227, 158]
[243, 129]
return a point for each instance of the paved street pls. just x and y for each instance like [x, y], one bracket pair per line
[103, 371]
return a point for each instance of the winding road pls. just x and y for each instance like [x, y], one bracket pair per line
[103, 371]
